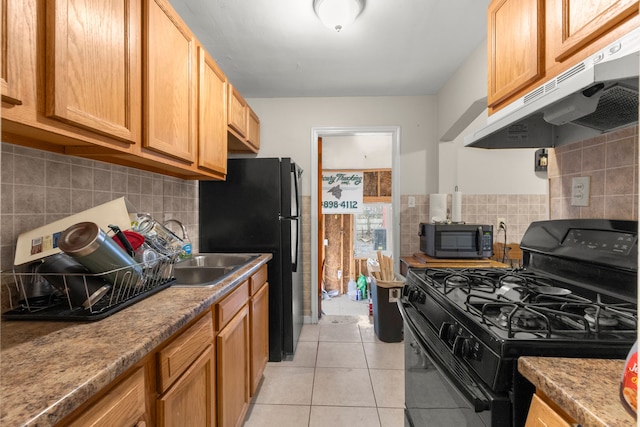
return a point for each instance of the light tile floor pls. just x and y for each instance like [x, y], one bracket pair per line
[341, 375]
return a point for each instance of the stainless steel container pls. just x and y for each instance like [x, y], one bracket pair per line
[91, 247]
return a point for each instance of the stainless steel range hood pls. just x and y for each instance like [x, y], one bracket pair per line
[596, 96]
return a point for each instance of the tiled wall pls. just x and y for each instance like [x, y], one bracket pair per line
[611, 163]
[39, 187]
[519, 210]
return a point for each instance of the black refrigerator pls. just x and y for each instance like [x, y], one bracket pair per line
[257, 210]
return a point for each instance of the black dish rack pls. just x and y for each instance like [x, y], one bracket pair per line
[57, 305]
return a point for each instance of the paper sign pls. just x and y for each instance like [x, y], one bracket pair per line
[342, 192]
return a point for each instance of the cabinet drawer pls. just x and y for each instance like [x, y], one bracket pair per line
[176, 357]
[124, 404]
[231, 304]
[258, 279]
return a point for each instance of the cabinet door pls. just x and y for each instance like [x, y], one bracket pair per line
[233, 370]
[516, 46]
[212, 115]
[14, 18]
[94, 77]
[259, 315]
[237, 112]
[580, 23]
[124, 405]
[170, 99]
[541, 415]
[253, 135]
[191, 400]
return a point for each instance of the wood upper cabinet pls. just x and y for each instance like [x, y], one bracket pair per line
[533, 41]
[93, 77]
[170, 83]
[13, 21]
[515, 46]
[122, 405]
[236, 112]
[212, 115]
[578, 24]
[253, 129]
[244, 124]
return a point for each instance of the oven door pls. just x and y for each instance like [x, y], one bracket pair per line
[441, 395]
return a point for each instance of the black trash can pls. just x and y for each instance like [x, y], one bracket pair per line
[387, 321]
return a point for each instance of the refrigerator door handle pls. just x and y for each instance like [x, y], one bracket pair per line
[296, 174]
[294, 244]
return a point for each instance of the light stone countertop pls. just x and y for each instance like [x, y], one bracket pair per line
[587, 389]
[47, 369]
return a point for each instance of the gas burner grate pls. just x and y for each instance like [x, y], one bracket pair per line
[568, 315]
[467, 280]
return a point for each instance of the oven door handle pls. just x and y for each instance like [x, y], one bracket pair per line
[473, 394]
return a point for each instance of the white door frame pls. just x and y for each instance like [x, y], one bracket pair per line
[319, 132]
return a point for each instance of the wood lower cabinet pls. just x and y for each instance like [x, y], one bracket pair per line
[516, 46]
[259, 326]
[233, 356]
[170, 84]
[203, 375]
[186, 377]
[191, 400]
[541, 414]
[122, 405]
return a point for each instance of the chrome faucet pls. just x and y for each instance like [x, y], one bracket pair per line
[185, 236]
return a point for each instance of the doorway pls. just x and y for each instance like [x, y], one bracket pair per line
[360, 235]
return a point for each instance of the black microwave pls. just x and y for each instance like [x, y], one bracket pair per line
[456, 240]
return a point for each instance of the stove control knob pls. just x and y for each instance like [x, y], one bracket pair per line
[448, 332]
[414, 295]
[466, 348]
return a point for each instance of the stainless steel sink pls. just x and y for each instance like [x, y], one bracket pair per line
[208, 269]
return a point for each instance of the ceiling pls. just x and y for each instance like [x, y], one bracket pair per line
[279, 48]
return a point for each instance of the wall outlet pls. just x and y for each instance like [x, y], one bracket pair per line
[412, 201]
[580, 189]
[499, 220]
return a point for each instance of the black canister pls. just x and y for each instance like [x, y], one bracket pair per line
[91, 247]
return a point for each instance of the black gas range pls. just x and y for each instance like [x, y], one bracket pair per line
[576, 296]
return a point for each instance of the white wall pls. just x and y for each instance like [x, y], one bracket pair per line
[477, 170]
[371, 151]
[286, 123]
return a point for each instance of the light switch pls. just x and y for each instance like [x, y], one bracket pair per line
[580, 191]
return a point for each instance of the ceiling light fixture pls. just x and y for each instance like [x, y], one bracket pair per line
[337, 14]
